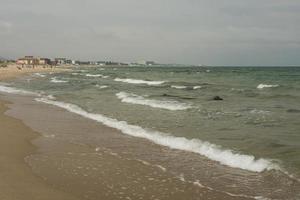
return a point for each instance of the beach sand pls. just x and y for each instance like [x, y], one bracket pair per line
[14, 71]
[17, 182]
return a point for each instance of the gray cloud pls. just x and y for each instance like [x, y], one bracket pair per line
[213, 32]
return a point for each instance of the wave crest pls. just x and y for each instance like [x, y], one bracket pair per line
[55, 80]
[96, 75]
[135, 99]
[262, 86]
[136, 81]
[12, 90]
[211, 151]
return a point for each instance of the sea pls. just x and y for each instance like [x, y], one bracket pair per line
[245, 144]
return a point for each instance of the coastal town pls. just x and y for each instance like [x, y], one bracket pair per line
[34, 61]
[10, 68]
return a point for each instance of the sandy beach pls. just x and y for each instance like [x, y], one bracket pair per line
[13, 70]
[16, 178]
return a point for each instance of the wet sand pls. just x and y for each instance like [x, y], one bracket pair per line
[16, 178]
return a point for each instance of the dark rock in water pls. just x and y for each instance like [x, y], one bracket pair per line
[217, 98]
[293, 111]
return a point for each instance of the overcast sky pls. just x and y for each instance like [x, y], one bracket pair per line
[211, 32]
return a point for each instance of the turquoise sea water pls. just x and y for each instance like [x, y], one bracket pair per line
[259, 116]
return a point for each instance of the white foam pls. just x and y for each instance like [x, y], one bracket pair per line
[178, 86]
[135, 99]
[101, 86]
[255, 111]
[94, 75]
[55, 80]
[262, 86]
[135, 81]
[40, 75]
[50, 96]
[12, 90]
[211, 151]
[197, 87]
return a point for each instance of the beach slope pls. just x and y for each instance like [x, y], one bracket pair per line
[17, 182]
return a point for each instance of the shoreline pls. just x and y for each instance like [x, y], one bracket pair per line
[89, 160]
[17, 180]
[100, 170]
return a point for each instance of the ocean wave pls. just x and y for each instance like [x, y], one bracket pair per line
[96, 75]
[135, 99]
[263, 112]
[262, 86]
[211, 151]
[197, 87]
[101, 86]
[40, 75]
[55, 80]
[12, 90]
[136, 81]
[178, 86]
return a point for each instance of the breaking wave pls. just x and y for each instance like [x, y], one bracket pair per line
[197, 87]
[96, 75]
[55, 80]
[135, 81]
[12, 90]
[178, 86]
[40, 75]
[262, 86]
[135, 99]
[211, 151]
[101, 86]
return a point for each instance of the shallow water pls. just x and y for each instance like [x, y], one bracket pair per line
[256, 128]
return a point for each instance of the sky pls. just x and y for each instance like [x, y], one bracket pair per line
[209, 32]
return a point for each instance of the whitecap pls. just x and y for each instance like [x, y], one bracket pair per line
[135, 99]
[94, 75]
[136, 81]
[40, 75]
[101, 86]
[55, 80]
[262, 86]
[197, 87]
[211, 151]
[178, 86]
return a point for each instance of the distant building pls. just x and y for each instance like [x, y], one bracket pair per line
[28, 60]
[143, 62]
[44, 61]
[74, 62]
[31, 60]
[60, 61]
[69, 62]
